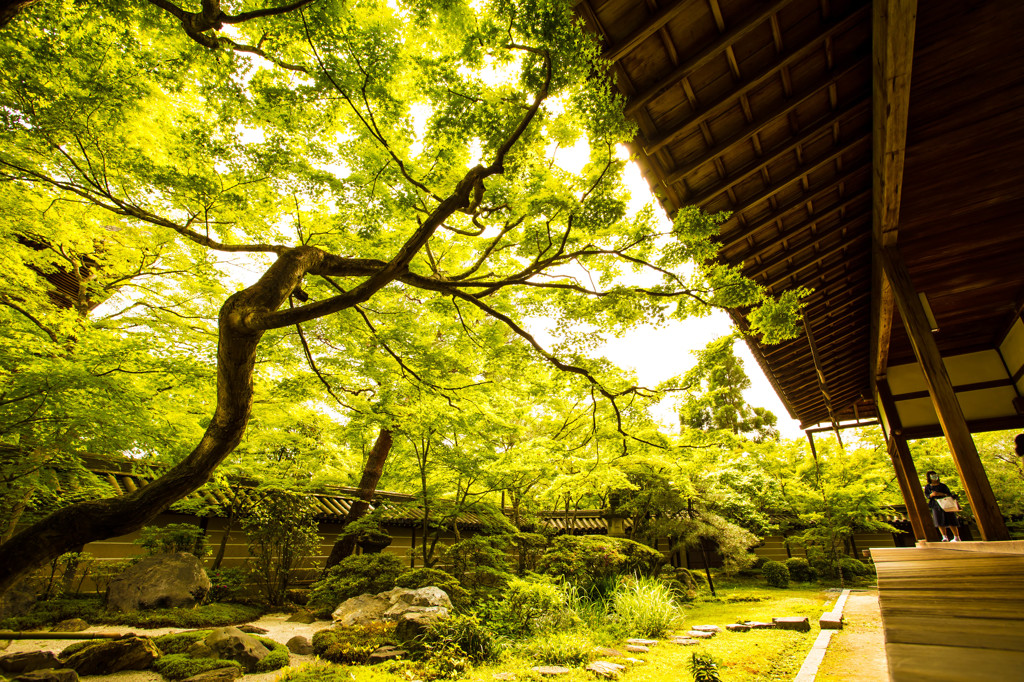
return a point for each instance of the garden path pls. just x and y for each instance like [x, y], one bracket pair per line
[857, 652]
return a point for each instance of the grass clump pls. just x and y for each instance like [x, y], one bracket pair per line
[180, 666]
[569, 648]
[278, 657]
[645, 607]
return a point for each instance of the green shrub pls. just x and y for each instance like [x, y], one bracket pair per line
[800, 570]
[532, 605]
[180, 666]
[758, 563]
[315, 671]
[174, 537]
[559, 648]
[352, 645]
[277, 658]
[684, 582]
[775, 573]
[416, 578]
[227, 584]
[465, 632]
[480, 564]
[854, 567]
[591, 562]
[645, 607]
[52, 611]
[704, 668]
[528, 549]
[353, 576]
[179, 642]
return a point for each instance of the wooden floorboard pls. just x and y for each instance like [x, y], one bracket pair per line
[952, 615]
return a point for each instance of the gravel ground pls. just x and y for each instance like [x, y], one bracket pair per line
[276, 625]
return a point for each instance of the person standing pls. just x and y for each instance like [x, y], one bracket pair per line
[944, 520]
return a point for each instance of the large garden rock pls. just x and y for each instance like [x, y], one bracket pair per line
[70, 625]
[300, 646]
[235, 645]
[218, 675]
[26, 661]
[798, 623]
[361, 610]
[415, 623]
[104, 658]
[404, 600]
[160, 581]
[48, 675]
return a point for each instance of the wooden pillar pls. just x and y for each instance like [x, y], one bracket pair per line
[903, 463]
[951, 416]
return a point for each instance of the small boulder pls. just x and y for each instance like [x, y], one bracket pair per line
[361, 610]
[798, 623]
[300, 646]
[218, 675]
[235, 645]
[606, 669]
[48, 675]
[27, 661]
[387, 653]
[251, 629]
[161, 581]
[105, 658]
[70, 625]
[737, 627]
[412, 625]
[304, 617]
[200, 650]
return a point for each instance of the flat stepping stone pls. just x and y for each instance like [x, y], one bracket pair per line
[684, 641]
[737, 627]
[637, 649]
[605, 651]
[642, 642]
[606, 669]
[756, 625]
[700, 634]
[503, 676]
[706, 628]
[798, 623]
[550, 670]
[634, 661]
[831, 621]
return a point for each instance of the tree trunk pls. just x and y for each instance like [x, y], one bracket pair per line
[346, 544]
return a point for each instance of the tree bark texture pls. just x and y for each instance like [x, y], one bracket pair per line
[346, 544]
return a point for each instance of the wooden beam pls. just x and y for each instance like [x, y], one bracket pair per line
[903, 464]
[831, 187]
[702, 57]
[784, 108]
[821, 127]
[729, 99]
[819, 255]
[893, 25]
[648, 29]
[951, 416]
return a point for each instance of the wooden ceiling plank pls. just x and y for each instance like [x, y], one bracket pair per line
[783, 109]
[801, 173]
[893, 25]
[818, 129]
[813, 278]
[703, 57]
[822, 255]
[743, 88]
[829, 188]
[760, 247]
[648, 29]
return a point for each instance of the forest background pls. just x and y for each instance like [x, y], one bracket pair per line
[391, 170]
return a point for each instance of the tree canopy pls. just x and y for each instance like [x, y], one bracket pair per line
[317, 218]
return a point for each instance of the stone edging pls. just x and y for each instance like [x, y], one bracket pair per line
[809, 670]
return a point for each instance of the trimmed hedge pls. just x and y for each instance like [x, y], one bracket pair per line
[775, 573]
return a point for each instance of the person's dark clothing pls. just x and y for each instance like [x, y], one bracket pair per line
[940, 516]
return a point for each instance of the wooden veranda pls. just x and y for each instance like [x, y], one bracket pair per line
[874, 153]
